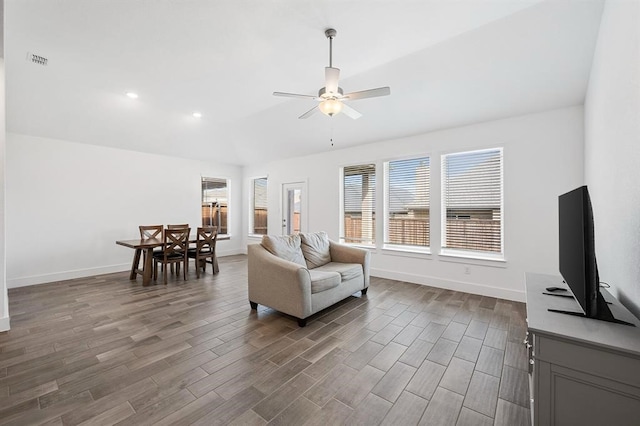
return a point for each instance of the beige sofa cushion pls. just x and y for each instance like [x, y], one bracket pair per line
[323, 280]
[315, 248]
[286, 247]
[347, 271]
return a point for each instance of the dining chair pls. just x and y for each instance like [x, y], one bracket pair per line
[205, 249]
[176, 245]
[184, 225]
[151, 231]
[178, 226]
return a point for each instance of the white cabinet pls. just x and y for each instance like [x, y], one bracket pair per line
[583, 371]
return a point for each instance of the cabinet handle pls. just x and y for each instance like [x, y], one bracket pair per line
[531, 361]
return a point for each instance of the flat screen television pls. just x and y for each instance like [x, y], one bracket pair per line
[578, 255]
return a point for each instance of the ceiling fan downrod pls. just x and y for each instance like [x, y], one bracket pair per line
[330, 33]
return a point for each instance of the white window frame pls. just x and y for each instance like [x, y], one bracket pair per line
[385, 209]
[252, 206]
[228, 182]
[470, 254]
[373, 245]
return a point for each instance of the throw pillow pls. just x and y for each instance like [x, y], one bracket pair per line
[315, 247]
[286, 247]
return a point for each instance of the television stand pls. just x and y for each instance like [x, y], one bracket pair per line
[581, 371]
[565, 295]
[558, 294]
[603, 313]
[580, 314]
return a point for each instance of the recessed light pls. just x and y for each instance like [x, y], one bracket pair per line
[197, 114]
[132, 95]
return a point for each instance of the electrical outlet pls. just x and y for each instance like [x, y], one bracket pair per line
[467, 270]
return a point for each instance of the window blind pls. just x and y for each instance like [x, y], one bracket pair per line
[359, 192]
[407, 202]
[472, 198]
[260, 206]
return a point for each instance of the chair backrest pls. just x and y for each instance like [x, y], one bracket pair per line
[150, 231]
[207, 236]
[176, 240]
[185, 225]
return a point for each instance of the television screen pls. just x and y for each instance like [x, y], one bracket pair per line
[577, 248]
[578, 255]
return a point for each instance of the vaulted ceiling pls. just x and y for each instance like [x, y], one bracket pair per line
[448, 63]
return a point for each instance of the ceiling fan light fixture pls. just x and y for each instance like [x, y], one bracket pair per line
[330, 107]
[331, 96]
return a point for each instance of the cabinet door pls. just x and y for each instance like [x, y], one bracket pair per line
[578, 398]
[542, 414]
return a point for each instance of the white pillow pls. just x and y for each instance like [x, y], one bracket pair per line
[286, 247]
[315, 247]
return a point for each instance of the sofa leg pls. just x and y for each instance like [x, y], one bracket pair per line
[364, 291]
[302, 322]
[254, 305]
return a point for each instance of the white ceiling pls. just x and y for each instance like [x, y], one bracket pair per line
[448, 63]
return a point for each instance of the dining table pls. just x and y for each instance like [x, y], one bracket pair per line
[147, 245]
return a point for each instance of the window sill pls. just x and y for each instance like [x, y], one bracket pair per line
[472, 258]
[362, 246]
[255, 236]
[407, 251]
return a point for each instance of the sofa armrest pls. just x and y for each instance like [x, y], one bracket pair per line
[348, 254]
[278, 283]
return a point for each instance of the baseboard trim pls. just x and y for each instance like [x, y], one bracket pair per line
[233, 252]
[88, 272]
[66, 275]
[5, 324]
[467, 287]
[474, 288]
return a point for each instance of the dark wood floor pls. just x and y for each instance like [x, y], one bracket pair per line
[104, 350]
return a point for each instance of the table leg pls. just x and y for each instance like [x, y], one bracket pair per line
[215, 263]
[148, 267]
[134, 266]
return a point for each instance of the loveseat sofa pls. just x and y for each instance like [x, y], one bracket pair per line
[302, 274]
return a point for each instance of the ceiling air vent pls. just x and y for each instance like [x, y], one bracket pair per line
[37, 59]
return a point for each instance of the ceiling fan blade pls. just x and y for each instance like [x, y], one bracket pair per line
[371, 93]
[331, 76]
[309, 113]
[350, 112]
[294, 95]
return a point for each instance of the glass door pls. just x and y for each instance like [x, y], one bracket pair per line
[294, 208]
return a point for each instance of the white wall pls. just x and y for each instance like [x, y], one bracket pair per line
[612, 149]
[67, 204]
[4, 299]
[543, 157]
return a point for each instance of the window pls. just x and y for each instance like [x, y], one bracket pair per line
[215, 202]
[359, 204]
[407, 203]
[472, 199]
[259, 210]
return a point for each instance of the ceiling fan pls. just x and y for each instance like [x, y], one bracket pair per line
[331, 96]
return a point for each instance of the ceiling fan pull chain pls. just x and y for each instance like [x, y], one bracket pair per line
[331, 133]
